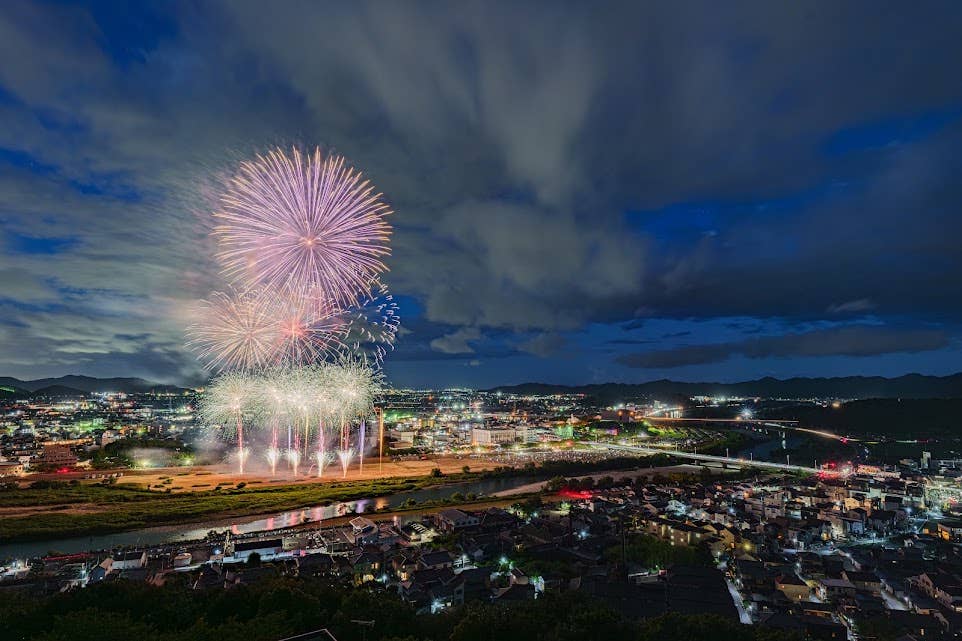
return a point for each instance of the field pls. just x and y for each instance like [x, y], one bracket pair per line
[208, 477]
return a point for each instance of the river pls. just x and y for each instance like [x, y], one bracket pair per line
[253, 523]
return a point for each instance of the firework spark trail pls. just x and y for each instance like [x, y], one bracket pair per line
[230, 400]
[308, 333]
[345, 455]
[238, 331]
[254, 330]
[312, 399]
[360, 449]
[370, 329]
[305, 224]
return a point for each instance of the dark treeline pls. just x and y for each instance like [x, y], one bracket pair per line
[882, 416]
[282, 607]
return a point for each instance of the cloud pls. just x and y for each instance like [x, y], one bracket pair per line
[856, 306]
[543, 345]
[504, 265]
[855, 340]
[551, 167]
[457, 342]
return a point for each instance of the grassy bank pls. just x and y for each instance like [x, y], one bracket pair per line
[88, 509]
[119, 507]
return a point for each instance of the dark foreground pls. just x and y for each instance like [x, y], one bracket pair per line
[283, 607]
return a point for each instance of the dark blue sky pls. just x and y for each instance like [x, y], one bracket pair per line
[678, 190]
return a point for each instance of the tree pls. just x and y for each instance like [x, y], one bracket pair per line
[555, 484]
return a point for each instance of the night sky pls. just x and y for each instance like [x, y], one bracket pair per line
[583, 192]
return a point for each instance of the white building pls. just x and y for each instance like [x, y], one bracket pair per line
[493, 436]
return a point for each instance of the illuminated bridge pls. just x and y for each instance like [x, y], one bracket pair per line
[739, 462]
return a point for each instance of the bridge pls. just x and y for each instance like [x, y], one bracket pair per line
[733, 421]
[779, 424]
[739, 462]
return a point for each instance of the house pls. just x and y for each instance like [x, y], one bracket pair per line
[950, 530]
[476, 583]
[129, 560]
[515, 592]
[364, 530]
[436, 560]
[314, 565]
[270, 547]
[866, 581]
[944, 587]
[367, 567]
[834, 588]
[10, 468]
[453, 519]
[432, 590]
[698, 590]
[792, 587]
[404, 565]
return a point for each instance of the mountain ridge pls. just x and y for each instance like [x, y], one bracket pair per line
[86, 384]
[845, 387]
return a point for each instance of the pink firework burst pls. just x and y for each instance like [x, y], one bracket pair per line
[256, 329]
[235, 331]
[305, 224]
[308, 332]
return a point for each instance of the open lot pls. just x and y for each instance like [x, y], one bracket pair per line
[207, 477]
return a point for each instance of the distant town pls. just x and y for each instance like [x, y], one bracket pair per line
[681, 505]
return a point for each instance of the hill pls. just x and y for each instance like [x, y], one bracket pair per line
[849, 387]
[57, 391]
[88, 384]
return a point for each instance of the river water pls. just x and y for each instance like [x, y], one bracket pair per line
[254, 523]
[763, 451]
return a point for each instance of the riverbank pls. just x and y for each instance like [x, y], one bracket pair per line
[52, 511]
[91, 509]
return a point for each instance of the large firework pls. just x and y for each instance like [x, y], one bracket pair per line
[305, 224]
[300, 414]
[299, 339]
